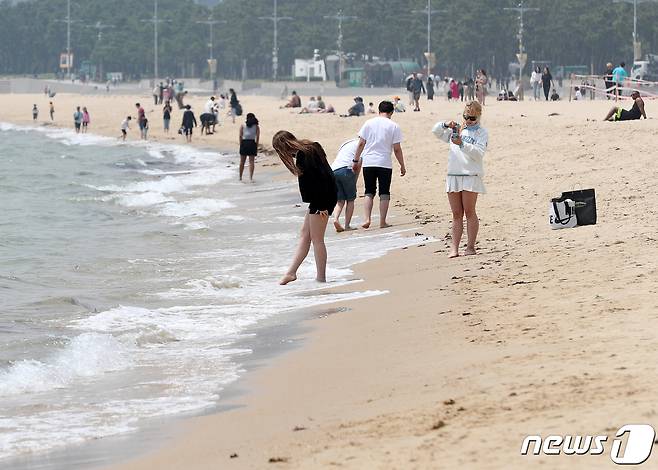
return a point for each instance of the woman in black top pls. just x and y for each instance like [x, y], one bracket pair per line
[430, 89]
[234, 104]
[166, 116]
[317, 186]
[546, 81]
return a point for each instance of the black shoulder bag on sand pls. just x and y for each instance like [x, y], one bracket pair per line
[585, 200]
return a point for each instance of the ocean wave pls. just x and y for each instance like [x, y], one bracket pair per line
[85, 356]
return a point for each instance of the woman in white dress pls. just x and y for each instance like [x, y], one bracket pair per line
[468, 143]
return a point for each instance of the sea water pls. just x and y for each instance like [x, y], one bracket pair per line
[129, 273]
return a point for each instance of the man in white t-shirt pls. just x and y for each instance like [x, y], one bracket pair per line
[377, 138]
[345, 183]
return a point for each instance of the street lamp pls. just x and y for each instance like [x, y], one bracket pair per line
[340, 18]
[155, 20]
[68, 21]
[637, 53]
[212, 63]
[275, 18]
[100, 27]
[522, 56]
[429, 12]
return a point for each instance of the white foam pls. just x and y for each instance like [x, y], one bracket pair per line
[201, 207]
[143, 199]
[87, 355]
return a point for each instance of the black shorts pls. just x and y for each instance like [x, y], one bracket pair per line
[123, 131]
[187, 130]
[374, 174]
[77, 125]
[248, 148]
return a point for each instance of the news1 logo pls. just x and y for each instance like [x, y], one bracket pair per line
[639, 442]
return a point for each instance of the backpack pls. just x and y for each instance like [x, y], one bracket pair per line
[409, 83]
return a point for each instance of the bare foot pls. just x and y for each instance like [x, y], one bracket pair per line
[349, 228]
[287, 278]
[470, 251]
[384, 225]
[366, 224]
[338, 226]
[453, 254]
[321, 279]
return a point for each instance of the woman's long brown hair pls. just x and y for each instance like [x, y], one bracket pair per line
[287, 146]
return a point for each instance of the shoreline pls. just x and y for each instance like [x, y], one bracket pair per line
[544, 332]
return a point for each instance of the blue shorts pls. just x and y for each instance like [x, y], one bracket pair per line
[345, 184]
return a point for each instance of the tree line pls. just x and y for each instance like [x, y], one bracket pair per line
[465, 35]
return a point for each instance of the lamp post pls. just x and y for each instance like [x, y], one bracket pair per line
[521, 55]
[340, 18]
[155, 20]
[429, 12]
[68, 21]
[98, 26]
[637, 52]
[275, 18]
[212, 64]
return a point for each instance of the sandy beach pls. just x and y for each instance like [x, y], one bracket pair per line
[543, 332]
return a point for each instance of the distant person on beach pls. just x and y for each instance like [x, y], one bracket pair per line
[535, 81]
[125, 125]
[636, 111]
[188, 123]
[141, 120]
[619, 75]
[377, 138]
[547, 81]
[294, 102]
[311, 107]
[249, 137]
[52, 111]
[357, 109]
[468, 144]
[77, 119]
[607, 79]
[481, 82]
[35, 112]
[430, 89]
[156, 94]
[345, 183]
[398, 106]
[85, 120]
[417, 87]
[166, 116]
[555, 96]
[470, 88]
[317, 185]
[371, 108]
[236, 109]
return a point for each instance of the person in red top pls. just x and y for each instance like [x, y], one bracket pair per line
[141, 120]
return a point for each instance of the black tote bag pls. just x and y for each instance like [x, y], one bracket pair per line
[585, 200]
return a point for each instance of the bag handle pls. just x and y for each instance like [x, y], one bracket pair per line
[567, 210]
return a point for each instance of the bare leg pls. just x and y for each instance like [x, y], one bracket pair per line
[383, 211]
[455, 200]
[318, 226]
[243, 158]
[367, 206]
[302, 250]
[337, 211]
[469, 199]
[252, 165]
[349, 211]
[610, 114]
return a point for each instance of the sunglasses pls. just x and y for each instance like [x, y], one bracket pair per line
[470, 118]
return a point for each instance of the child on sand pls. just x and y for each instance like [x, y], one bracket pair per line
[125, 125]
[308, 161]
[345, 183]
[85, 120]
[468, 143]
[52, 111]
[35, 112]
